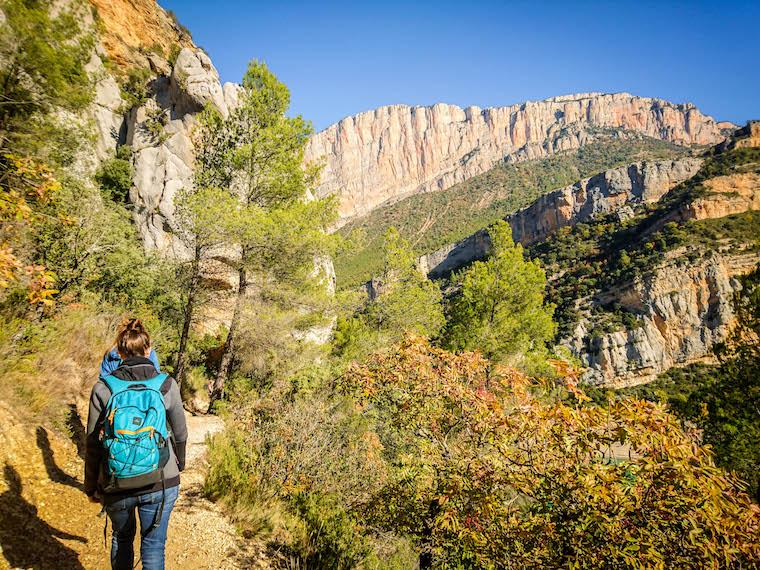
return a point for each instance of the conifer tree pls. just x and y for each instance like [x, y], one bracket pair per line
[258, 154]
[500, 309]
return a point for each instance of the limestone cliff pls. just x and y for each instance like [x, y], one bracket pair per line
[132, 30]
[617, 189]
[684, 309]
[395, 151]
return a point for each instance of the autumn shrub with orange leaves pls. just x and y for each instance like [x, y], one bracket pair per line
[25, 185]
[488, 472]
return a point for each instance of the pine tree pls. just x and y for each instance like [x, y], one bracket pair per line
[407, 301]
[500, 309]
[258, 153]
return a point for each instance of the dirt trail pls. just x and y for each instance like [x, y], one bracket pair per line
[47, 522]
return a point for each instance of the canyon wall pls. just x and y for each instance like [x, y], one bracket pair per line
[684, 308]
[617, 189]
[395, 151]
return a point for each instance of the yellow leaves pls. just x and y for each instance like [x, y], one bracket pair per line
[26, 183]
[40, 288]
[9, 267]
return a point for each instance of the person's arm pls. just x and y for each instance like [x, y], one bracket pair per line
[175, 413]
[93, 448]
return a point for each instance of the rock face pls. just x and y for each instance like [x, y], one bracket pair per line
[133, 28]
[395, 151]
[613, 190]
[601, 194]
[163, 163]
[684, 310]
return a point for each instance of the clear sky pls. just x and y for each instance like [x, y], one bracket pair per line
[341, 58]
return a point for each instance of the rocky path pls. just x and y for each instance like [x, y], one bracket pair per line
[47, 522]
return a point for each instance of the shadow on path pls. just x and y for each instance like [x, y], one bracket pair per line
[76, 427]
[27, 540]
[54, 472]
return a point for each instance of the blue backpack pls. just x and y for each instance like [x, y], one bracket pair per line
[135, 434]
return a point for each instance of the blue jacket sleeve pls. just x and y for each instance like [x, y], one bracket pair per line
[111, 362]
[154, 359]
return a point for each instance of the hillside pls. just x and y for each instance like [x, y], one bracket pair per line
[642, 280]
[433, 219]
[396, 151]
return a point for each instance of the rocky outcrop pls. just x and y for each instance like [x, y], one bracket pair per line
[395, 151]
[604, 193]
[133, 30]
[731, 194]
[617, 189]
[160, 134]
[107, 112]
[683, 310]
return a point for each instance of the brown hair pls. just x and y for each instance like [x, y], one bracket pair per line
[132, 339]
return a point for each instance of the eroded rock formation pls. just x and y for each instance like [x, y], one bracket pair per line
[613, 190]
[684, 309]
[395, 151]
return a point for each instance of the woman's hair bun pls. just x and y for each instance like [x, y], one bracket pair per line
[132, 339]
[133, 325]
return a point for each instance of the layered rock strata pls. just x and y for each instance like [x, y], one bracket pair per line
[395, 151]
[613, 190]
[683, 310]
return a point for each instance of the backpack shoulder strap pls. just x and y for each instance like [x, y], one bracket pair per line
[115, 385]
[156, 383]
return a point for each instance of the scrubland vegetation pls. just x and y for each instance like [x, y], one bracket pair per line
[431, 431]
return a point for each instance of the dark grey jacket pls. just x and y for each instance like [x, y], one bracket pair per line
[134, 369]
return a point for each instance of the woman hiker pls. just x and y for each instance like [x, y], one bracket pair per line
[135, 449]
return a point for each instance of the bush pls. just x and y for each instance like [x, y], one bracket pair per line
[487, 472]
[114, 175]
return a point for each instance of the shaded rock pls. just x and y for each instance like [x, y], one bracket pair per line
[195, 82]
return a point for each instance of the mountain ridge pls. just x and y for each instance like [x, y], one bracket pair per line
[398, 150]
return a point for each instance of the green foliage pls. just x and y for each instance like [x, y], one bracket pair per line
[43, 54]
[257, 153]
[174, 54]
[155, 121]
[334, 535]
[402, 300]
[114, 175]
[499, 309]
[485, 474]
[135, 88]
[434, 219]
[406, 301]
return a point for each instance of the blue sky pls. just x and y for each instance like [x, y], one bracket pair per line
[341, 58]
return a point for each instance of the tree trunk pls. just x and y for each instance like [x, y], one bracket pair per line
[426, 555]
[228, 354]
[195, 278]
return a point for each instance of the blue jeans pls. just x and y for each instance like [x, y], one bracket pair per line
[152, 544]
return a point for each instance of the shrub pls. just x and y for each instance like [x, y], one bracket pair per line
[487, 473]
[114, 175]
